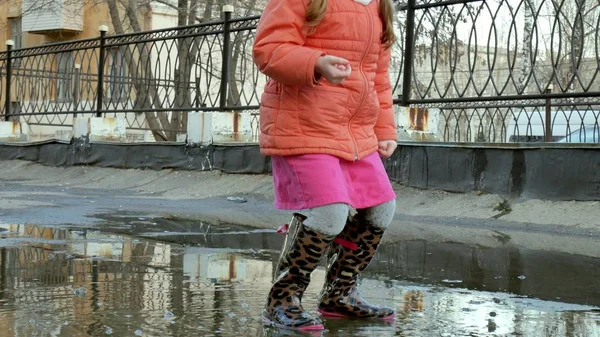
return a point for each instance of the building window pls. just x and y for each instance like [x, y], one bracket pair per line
[116, 75]
[15, 32]
[64, 78]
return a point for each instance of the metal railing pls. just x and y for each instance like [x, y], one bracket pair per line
[504, 70]
[468, 70]
[153, 79]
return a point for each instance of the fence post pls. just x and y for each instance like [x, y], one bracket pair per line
[408, 52]
[7, 106]
[227, 10]
[100, 90]
[549, 115]
[76, 88]
[197, 100]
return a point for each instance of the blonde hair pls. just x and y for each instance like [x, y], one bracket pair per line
[316, 11]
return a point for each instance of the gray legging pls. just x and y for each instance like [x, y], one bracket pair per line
[331, 219]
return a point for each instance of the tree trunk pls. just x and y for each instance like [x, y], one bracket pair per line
[139, 63]
[181, 82]
[526, 61]
[151, 91]
[142, 96]
[234, 97]
[577, 43]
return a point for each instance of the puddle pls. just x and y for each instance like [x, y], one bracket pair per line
[543, 275]
[204, 280]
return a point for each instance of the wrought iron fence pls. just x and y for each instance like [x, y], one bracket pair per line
[153, 79]
[476, 71]
[504, 70]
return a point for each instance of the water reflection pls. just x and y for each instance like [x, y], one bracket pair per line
[58, 282]
[540, 274]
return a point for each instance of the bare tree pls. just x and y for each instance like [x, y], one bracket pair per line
[564, 32]
[578, 23]
[164, 123]
[530, 9]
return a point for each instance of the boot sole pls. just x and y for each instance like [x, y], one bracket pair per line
[334, 315]
[315, 327]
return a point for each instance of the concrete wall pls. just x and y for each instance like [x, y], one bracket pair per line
[543, 172]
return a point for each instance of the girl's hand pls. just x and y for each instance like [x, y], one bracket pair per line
[387, 147]
[334, 69]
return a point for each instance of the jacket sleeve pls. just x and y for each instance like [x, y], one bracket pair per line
[385, 128]
[279, 50]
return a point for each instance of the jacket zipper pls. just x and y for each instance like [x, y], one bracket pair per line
[366, 82]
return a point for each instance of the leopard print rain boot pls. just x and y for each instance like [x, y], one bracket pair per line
[349, 255]
[301, 253]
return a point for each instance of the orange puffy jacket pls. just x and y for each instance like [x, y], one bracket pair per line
[299, 114]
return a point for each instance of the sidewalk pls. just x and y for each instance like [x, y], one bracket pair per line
[49, 195]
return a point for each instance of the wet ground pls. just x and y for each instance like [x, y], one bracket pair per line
[140, 276]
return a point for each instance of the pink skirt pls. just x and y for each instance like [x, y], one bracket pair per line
[313, 180]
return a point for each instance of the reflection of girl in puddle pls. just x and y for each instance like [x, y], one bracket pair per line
[326, 120]
[270, 332]
[413, 301]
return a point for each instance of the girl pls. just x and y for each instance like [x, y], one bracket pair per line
[326, 117]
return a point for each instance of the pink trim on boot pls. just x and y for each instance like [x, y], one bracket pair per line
[346, 244]
[308, 328]
[334, 315]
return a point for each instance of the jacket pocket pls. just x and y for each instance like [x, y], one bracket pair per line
[269, 107]
[323, 112]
